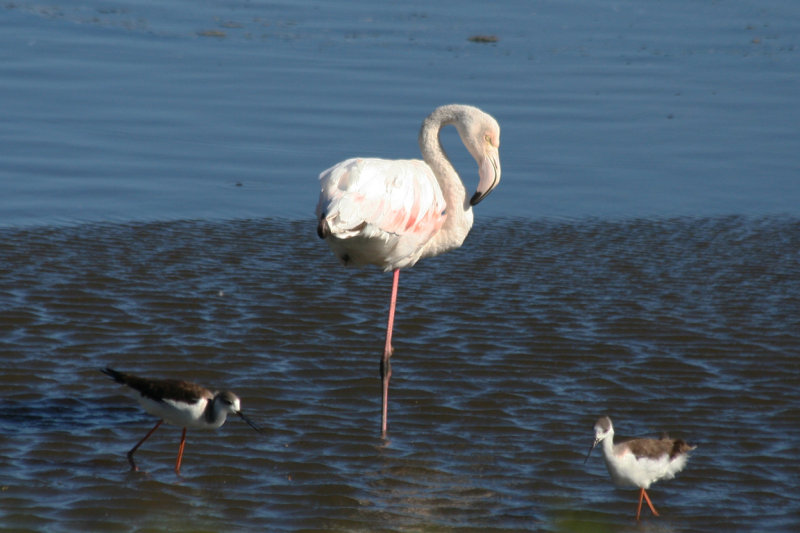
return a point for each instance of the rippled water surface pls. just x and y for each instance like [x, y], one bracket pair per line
[505, 353]
[641, 259]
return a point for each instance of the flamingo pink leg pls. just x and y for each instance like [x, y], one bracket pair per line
[180, 452]
[386, 367]
[643, 494]
[135, 468]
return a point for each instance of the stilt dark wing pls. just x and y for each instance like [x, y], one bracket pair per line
[160, 389]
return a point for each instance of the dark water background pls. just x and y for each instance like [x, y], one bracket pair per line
[641, 259]
[502, 363]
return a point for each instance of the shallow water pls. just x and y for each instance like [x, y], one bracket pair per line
[640, 259]
[506, 351]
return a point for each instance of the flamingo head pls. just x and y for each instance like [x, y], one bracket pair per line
[480, 133]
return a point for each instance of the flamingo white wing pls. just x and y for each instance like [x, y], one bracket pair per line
[379, 211]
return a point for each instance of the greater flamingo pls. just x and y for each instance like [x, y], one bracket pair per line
[391, 213]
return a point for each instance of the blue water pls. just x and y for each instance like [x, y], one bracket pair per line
[171, 110]
[158, 166]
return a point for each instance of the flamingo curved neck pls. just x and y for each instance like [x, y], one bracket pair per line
[459, 212]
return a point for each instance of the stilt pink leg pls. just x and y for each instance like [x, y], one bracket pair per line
[180, 452]
[646, 497]
[386, 367]
[133, 450]
[643, 494]
[639, 509]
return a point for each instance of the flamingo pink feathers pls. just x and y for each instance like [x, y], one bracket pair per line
[391, 213]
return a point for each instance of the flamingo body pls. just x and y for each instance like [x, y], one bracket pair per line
[380, 212]
[391, 213]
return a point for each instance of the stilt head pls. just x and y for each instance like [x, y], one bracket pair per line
[227, 402]
[602, 430]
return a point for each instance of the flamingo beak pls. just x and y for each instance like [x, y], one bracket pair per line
[489, 172]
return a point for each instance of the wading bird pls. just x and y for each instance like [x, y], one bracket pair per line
[181, 403]
[639, 462]
[391, 213]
